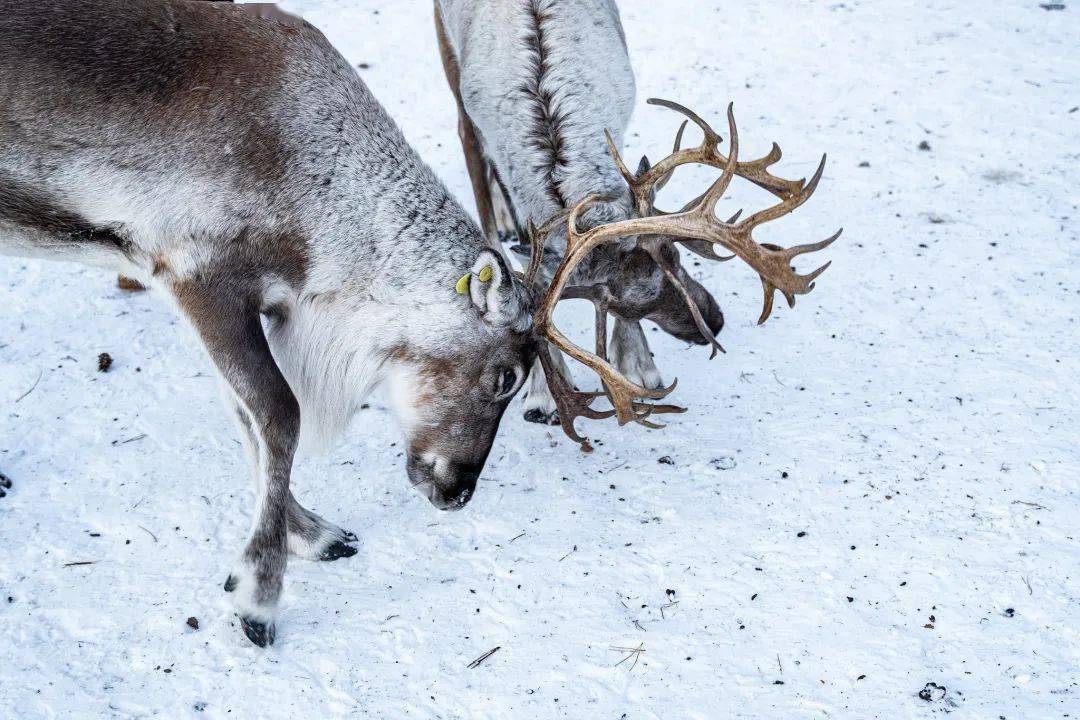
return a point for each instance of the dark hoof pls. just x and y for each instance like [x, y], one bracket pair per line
[230, 584]
[338, 550]
[259, 633]
[5, 484]
[536, 415]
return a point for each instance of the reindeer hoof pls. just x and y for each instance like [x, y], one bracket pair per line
[536, 415]
[262, 634]
[5, 484]
[230, 583]
[338, 550]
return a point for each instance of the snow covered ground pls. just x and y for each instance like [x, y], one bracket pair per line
[873, 492]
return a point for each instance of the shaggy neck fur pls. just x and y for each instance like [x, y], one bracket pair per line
[539, 89]
[542, 80]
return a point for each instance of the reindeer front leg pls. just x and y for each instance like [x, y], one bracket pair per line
[631, 355]
[225, 313]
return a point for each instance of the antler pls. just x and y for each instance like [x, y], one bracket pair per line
[696, 227]
[707, 153]
[570, 402]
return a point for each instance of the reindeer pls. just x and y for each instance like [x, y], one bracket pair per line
[240, 167]
[538, 85]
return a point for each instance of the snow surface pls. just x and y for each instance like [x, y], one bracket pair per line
[915, 417]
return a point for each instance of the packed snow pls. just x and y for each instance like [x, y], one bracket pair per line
[870, 510]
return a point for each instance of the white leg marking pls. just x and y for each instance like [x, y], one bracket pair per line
[630, 354]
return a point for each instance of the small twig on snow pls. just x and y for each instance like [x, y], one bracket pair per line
[632, 654]
[476, 663]
[32, 387]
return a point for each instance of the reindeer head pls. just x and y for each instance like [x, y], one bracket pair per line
[636, 288]
[451, 393]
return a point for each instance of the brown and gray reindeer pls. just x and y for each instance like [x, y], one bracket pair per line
[538, 83]
[240, 167]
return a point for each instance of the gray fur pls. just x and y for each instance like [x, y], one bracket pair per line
[239, 166]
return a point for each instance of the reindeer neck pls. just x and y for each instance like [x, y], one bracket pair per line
[542, 80]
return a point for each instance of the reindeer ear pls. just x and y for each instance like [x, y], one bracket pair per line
[497, 293]
[643, 166]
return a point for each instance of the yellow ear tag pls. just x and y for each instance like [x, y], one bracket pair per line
[462, 286]
[485, 274]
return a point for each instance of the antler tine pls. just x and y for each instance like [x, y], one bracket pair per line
[614, 151]
[711, 137]
[704, 248]
[572, 219]
[797, 250]
[678, 146]
[789, 203]
[537, 241]
[757, 172]
[714, 193]
[766, 308]
[649, 409]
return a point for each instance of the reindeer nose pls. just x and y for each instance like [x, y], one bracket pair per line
[446, 484]
[465, 482]
[462, 497]
[714, 316]
[453, 499]
[714, 319]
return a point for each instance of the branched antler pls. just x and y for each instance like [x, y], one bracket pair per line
[697, 228]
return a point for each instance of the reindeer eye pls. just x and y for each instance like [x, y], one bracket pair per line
[506, 383]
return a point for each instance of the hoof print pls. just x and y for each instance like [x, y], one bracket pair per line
[230, 583]
[338, 550]
[262, 634]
